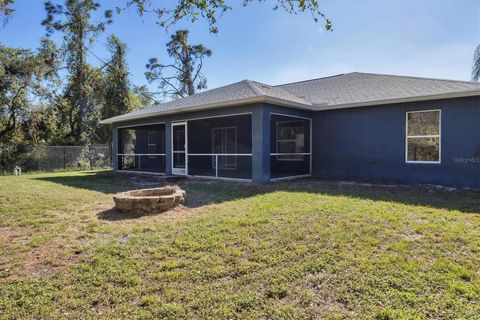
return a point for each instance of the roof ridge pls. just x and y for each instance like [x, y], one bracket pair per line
[381, 74]
[252, 87]
[420, 78]
[270, 87]
[314, 79]
[197, 94]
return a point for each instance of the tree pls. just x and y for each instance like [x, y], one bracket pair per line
[39, 127]
[74, 21]
[116, 99]
[183, 77]
[23, 77]
[476, 65]
[118, 85]
[6, 9]
[210, 10]
[141, 97]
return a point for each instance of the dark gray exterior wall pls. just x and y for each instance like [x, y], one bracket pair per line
[369, 143]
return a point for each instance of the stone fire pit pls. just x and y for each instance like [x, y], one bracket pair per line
[149, 200]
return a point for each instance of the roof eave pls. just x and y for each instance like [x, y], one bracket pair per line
[462, 94]
[233, 103]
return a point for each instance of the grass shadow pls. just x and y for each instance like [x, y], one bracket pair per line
[199, 191]
[203, 192]
[100, 181]
[467, 201]
[107, 182]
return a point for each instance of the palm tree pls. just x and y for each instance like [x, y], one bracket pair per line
[476, 65]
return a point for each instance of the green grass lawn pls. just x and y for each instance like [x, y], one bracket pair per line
[311, 249]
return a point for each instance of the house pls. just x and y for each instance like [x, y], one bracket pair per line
[355, 125]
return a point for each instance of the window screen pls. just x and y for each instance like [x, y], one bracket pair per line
[290, 140]
[224, 140]
[423, 136]
[290, 146]
[142, 148]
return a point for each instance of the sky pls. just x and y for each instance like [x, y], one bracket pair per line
[426, 38]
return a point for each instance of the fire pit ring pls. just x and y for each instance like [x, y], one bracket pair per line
[149, 200]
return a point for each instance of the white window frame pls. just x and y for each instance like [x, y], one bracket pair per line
[439, 136]
[214, 164]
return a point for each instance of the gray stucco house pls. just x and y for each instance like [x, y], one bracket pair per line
[355, 125]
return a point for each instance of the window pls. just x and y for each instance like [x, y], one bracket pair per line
[290, 140]
[224, 140]
[423, 136]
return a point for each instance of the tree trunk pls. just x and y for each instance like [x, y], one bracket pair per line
[81, 98]
[188, 72]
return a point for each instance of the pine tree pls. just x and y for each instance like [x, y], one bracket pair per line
[116, 96]
[184, 76]
[79, 103]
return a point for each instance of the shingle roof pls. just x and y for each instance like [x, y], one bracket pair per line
[276, 92]
[236, 93]
[344, 90]
[357, 88]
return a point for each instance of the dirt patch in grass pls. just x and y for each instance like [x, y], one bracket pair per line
[27, 258]
[46, 261]
[7, 259]
[8, 234]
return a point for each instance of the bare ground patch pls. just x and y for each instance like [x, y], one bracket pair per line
[21, 257]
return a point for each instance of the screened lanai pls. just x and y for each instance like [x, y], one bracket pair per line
[142, 148]
[217, 147]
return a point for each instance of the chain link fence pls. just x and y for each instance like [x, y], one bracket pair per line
[53, 158]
